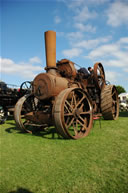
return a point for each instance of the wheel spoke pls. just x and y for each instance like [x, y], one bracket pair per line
[81, 107]
[99, 75]
[26, 85]
[67, 120]
[86, 113]
[114, 93]
[75, 128]
[73, 101]
[102, 76]
[73, 122]
[70, 123]
[81, 100]
[66, 106]
[83, 126]
[27, 106]
[68, 114]
[82, 119]
[114, 101]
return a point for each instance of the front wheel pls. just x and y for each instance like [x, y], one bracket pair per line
[73, 113]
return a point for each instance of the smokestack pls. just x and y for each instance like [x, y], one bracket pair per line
[50, 49]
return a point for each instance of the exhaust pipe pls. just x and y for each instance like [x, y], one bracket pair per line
[50, 49]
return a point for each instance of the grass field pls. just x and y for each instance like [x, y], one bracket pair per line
[42, 163]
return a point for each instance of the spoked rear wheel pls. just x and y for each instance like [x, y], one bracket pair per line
[73, 113]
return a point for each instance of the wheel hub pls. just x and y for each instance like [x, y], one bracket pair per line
[76, 113]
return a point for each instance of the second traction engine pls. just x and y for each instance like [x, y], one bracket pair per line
[65, 97]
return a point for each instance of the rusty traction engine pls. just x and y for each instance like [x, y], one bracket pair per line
[65, 97]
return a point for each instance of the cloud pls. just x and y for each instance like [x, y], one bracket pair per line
[35, 60]
[60, 34]
[73, 4]
[114, 63]
[85, 28]
[112, 54]
[115, 57]
[79, 45]
[57, 19]
[22, 69]
[117, 14]
[125, 70]
[73, 36]
[84, 14]
[98, 2]
[93, 43]
[112, 76]
[78, 3]
[123, 40]
[103, 51]
[70, 53]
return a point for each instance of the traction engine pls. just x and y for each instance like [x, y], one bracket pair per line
[65, 97]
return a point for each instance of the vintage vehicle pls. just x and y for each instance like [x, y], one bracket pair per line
[9, 95]
[123, 101]
[65, 97]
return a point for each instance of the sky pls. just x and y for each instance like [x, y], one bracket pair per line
[87, 31]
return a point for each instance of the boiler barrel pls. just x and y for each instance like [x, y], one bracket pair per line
[46, 85]
[50, 48]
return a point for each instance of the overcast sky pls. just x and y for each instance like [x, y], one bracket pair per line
[88, 31]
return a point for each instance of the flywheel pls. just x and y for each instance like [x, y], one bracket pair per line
[99, 75]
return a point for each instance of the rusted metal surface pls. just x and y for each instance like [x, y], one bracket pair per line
[73, 113]
[28, 115]
[65, 97]
[50, 48]
[48, 85]
[109, 103]
[19, 112]
[66, 68]
[39, 117]
[99, 75]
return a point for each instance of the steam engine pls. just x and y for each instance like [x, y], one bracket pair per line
[65, 97]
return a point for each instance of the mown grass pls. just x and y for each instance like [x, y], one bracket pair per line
[43, 163]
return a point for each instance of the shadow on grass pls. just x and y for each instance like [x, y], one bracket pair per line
[21, 190]
[48, 133]
[123, 114]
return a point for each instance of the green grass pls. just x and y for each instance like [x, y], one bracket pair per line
[40, 163]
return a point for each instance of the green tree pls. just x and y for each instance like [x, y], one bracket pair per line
[120, 89]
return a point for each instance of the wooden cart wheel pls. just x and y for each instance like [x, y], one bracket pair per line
[99, 75]
[73, 113]
[26, 106]
[110, 103]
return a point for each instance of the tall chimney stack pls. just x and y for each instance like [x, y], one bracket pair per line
[50, 49]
